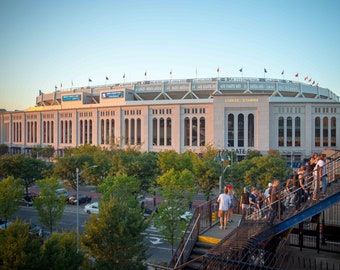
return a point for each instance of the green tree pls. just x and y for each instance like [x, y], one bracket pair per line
[3, 149]
[11, 191]
[177, 189]
[49, 205]
[207, 173]
[114, 237]
[19, 249]
[170, 159]
[65, 168]
[258, 171]
[168, 222]
[60, 252]
[47, 152]
[132, 162]
[21, 167]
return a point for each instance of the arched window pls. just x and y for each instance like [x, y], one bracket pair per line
[281, 131]
[102, 131]
[289, 131]
[194, 132]
[86, 133]
[161, 131]
[107, 131]
[81, 131]
[202, 131]
[168, 131]
[317, 131]
[325, 131]
[70, 133]
[297, 131]
[333, 131]
[186, 131]
[66, 137]
[240, 124]
[154, 131]
[132, 131]
[139, 131]
[251, 130]
[231, 133]
[126, 123]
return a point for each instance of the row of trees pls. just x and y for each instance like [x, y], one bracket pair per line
[114, 238]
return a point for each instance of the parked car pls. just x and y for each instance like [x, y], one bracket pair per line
[82, 199]
[26, 201]
[92, 208]
[62, 191]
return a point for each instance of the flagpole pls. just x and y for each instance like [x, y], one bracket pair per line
[196, 73]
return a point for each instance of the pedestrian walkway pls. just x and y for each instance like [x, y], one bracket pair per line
[215, 234]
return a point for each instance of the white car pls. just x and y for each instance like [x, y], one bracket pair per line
[92, 208]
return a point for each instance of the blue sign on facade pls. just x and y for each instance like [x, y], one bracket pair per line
[71, 97]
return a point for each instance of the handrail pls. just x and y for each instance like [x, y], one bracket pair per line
[310, 184]
[186, 242]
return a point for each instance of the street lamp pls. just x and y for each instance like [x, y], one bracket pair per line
[219, 158]
[77, 184]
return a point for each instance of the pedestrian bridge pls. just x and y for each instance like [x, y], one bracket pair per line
[249, 242]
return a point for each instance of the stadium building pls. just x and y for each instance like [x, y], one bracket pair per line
[235, 114]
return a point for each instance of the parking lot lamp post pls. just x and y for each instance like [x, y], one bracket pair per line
[77, 196]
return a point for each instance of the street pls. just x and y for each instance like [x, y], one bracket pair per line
[159, 250]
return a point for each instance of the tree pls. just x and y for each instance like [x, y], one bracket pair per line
[3, 149]
[207, 173]
[11, 191]
[168, 222]
[177, 188]
[60, 252]
[114, 237]
[170, 159]
[47, 152]
[50, 207]
[19, 249]
[65, 168]
[21, 167]
[131, 162]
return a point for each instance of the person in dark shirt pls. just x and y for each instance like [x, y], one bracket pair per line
[244, 201]
[274, 199]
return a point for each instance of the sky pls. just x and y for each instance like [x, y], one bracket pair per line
[46, 43]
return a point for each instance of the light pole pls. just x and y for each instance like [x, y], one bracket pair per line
[219, 158]
[77, 184]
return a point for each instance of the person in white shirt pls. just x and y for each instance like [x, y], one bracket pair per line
[319, 174]
[224, 202]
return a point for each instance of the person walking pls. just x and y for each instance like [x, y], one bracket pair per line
[244, 201]
[224, 202]
[231, 193]
[274, 200]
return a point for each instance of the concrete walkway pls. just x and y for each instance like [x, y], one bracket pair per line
[215, 234]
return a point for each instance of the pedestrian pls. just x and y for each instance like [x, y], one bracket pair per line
[244, 201]
[260, 203]
[224, 202]
[289, 191]
[231, 193]
[253, 203]
[319, 176]
[324, 179]
[274, 199]
[267, 193]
